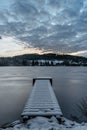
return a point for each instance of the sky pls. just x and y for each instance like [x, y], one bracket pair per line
[41, 26]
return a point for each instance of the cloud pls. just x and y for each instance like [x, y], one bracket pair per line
[9, 45]
[79, 53]
[57, 25]
[25, 9]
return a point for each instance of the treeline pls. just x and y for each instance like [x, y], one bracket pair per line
[43, 60]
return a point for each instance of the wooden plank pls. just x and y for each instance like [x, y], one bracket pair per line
[42, 101]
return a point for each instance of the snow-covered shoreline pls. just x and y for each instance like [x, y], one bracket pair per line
[43, 123]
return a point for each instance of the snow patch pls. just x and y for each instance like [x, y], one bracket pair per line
[43, 123]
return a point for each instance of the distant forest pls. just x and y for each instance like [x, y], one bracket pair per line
[43, 60]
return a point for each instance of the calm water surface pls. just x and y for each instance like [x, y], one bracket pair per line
[70, 85]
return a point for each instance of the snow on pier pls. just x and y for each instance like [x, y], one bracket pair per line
[42, 101]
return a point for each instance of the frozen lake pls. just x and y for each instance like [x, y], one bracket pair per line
[70, 86]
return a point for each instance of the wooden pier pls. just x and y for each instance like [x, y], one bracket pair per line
[42, 101]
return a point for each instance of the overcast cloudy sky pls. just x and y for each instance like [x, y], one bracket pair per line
[28, 26]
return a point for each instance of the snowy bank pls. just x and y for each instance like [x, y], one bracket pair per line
[43, 123]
